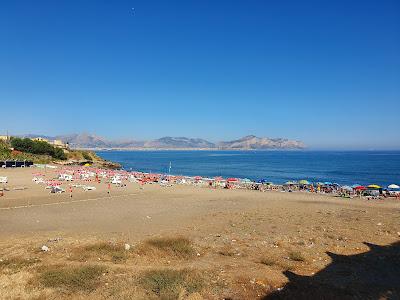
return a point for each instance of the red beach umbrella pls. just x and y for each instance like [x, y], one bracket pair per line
[232, 179]
[360, 188]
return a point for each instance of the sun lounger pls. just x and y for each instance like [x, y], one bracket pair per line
[20, 188]
[89, 188]
[56, 190]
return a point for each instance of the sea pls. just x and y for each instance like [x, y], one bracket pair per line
[342, 167]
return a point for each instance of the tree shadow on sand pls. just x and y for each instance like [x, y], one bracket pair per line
[371, 275]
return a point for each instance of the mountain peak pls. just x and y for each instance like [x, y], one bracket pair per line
[249, 142]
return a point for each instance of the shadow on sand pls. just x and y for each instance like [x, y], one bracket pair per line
[371, 275]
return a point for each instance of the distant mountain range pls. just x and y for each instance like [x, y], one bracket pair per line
[250, 142]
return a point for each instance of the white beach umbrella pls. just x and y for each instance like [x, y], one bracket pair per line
[394, 186]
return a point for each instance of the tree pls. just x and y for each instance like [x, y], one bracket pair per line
[37, 147]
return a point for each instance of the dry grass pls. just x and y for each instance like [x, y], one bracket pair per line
[296, 256]
[179, 247]
[276, 260]
[227, 251]
[103, 250]
[15, 264]
[269, 261]
[71, 278]
[171, 284]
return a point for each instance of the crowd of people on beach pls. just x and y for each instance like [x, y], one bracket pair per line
[67, 177]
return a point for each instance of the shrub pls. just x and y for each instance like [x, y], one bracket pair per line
[86, 155]
[296, 256]
[268, 261]
[107, 251]
[179, 246]
[59, 154]
[37, 147]
[83, 278]
[17, 263]
[167, 284]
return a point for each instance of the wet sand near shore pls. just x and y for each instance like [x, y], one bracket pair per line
[246, 240]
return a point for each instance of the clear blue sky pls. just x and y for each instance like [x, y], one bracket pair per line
[325, 72]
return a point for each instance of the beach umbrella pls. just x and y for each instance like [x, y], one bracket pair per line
[327, 183]
[290, 182]
[218, 178]
[374, 186]
[360, 188]
[347, 188]
[197, 178]
[262, 181]
[303, 181]
[232, 179]
[355, 185]
[246, 180]
[393, 186]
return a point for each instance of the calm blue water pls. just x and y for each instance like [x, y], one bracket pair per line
[350, 167]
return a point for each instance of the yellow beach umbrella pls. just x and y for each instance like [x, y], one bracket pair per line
[374, 186]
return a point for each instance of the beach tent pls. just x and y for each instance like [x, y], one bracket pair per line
[374, 186]
[393, 186]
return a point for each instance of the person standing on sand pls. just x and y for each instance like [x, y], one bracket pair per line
[141, 182]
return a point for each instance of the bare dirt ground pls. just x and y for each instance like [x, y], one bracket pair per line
[194, 243]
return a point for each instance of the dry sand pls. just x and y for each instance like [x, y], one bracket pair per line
[247, 242]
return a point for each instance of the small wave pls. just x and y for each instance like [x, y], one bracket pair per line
[231, 154]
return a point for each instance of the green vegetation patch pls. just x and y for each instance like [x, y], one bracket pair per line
[169, 284]
[107, 251]
[71, 279]
[37, 147]
[86, 155]
[17, 263]
[179, 246]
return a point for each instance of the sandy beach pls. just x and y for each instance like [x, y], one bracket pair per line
[247, 244]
